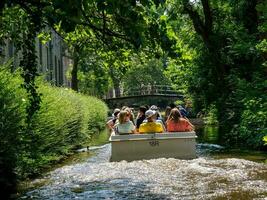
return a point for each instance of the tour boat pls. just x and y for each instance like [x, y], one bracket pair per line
[131, 147]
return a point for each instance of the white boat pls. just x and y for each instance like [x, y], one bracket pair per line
[131, 147]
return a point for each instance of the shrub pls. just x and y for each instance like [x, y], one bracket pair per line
[253, 126]
[12, 123]
[65, 121]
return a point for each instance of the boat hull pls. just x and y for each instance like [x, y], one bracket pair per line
[180, 145]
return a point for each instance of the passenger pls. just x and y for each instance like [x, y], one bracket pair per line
[140, 117]
[155, 108]
[130, 110]
[172, 105]
[176, 123]
[151, 126]
[167, 113]
[124, 107]
[110, 124]
[182, 111]
[124, 124]
[158, 117]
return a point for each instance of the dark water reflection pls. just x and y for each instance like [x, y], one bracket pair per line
[217, 173]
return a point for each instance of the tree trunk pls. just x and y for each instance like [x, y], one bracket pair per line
[74, 73]
[116, 82]
[117, 90]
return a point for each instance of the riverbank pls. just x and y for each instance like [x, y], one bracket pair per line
[66, 120]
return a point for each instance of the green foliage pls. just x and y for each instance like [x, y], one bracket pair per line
[150, 73]
[210, 117]
[228, 63]
[265, 140]
[21, 29]
[65, 121]
[251, 129]
[13, 102]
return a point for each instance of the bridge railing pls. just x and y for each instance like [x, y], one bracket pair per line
[152, 90]
[149, 90]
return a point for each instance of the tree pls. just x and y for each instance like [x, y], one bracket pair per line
[150, 73]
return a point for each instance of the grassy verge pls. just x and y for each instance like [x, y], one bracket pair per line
[65, 121]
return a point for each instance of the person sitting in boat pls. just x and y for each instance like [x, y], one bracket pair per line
[158, 116]
[124, 124]
[176, 123]
[151, 126]
[130, 110]
[140, 117]
[110, 124]
[167, 113]
[183, 111]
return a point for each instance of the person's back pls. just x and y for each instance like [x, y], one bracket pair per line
[150, 126]
[140, 117]
[181, 126]
[176, 123]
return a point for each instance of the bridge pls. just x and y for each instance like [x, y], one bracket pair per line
[161, 95]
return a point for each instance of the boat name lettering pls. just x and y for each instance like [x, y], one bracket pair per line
[154, 143]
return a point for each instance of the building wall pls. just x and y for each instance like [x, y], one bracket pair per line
[51, 59]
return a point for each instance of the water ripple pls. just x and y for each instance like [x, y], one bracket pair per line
[201, 178]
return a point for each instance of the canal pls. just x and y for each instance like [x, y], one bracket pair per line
[217, 173]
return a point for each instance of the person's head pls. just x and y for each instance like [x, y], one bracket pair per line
[123, 116]
[124, 107]
[172, 105]
[175, 115]
[150, 115]
[142, 110]
[154, 107]
[167, 111]
[116, 112]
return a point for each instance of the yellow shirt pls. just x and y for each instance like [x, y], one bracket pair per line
[151, 127]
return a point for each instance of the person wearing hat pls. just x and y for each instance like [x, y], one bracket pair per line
[110, 124]
[151, 126]
[158, 115]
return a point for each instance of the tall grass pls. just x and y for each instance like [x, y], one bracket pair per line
[12, 123]
[65, 121]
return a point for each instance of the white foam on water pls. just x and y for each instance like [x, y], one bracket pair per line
[201, 178]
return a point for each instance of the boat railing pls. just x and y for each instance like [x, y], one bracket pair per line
[151, 136]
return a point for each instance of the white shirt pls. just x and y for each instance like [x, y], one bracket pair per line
[126, 127]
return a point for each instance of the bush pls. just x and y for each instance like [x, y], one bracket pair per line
[211, 116]
[253, 126]
[12, 123]
[65, 121]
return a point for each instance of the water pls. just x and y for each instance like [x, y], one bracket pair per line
[217, 174]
